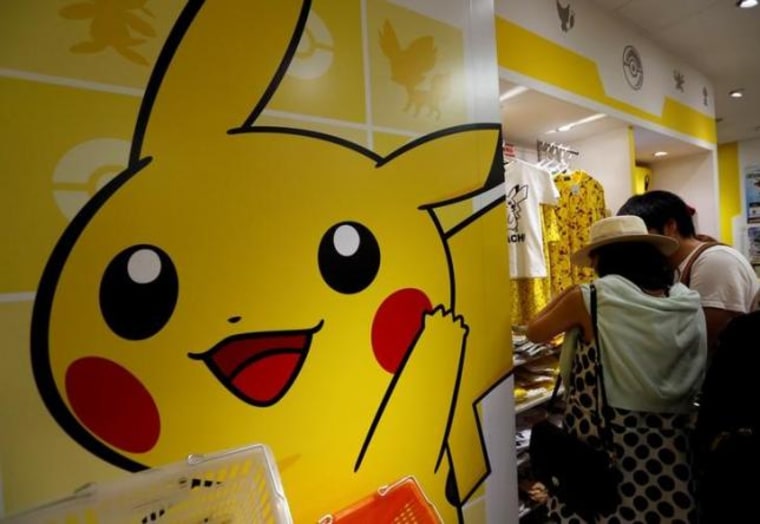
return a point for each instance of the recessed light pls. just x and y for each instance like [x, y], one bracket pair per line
[571, 125]
[746, 4]
[660, 153]
[736, 93]
[511, 93]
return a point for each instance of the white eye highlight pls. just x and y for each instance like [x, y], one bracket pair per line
[144, 266]
[346, 240]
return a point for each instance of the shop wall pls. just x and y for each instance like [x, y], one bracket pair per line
[731, 195]
[243, 221]
[749, 152]
[598, 61]
[578, 53]
[607, 157]
[688, 177]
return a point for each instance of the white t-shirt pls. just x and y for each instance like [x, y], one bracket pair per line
[527, 187]
[724, 279]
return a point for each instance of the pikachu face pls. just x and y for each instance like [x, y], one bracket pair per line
[240, 284]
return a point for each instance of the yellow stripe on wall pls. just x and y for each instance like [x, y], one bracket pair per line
[729, 189]
[532, 55]
[680, 117]
[632, 158]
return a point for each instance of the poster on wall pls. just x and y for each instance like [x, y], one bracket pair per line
[752, 192]
[753, 246]
[400, 214]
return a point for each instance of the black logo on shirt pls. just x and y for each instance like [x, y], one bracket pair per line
[516, 195]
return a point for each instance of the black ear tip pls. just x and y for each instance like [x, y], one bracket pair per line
[452, 491]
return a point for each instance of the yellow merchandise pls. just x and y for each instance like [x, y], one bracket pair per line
[581, 203]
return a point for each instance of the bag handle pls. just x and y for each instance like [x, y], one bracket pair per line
[605, 431]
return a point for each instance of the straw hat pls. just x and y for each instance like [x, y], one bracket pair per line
[624, 228]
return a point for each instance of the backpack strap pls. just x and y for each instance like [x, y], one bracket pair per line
[686, 273]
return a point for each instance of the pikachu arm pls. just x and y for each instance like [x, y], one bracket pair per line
[420, 401]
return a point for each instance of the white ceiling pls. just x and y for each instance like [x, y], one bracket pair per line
[713, 36]
[527, 117]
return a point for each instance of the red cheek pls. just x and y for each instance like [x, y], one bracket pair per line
[397, 324]
[113, 404]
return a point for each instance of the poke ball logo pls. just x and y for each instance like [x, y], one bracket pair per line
[634, 71]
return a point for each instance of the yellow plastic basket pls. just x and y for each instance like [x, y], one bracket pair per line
[229, 487]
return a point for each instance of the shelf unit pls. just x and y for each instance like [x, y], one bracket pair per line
[527, 513]
[526, 405]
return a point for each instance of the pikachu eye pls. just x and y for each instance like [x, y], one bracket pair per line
[349, 257]
[138, 292]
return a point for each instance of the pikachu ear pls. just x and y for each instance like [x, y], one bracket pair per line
[448, 163]
[219, 67]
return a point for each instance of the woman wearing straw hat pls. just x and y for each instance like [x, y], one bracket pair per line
[653, 346]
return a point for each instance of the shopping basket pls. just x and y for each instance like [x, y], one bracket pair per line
[228, 487]
[403, 502]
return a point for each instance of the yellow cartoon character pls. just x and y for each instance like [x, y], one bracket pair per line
[241, 283]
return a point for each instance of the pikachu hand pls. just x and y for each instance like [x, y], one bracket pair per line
[445, 325]
[418, 399]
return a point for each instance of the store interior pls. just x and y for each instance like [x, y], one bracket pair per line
[566, 137]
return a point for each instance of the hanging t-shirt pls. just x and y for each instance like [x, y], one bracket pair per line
[531, 295]
[527, 186]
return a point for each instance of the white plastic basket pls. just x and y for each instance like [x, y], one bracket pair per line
[229, 487]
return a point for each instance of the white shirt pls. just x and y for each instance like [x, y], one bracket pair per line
[527, 187]
[723, 278]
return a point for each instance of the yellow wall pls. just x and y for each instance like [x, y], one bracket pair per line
[254, 235]
[640, 175]
[729, 189]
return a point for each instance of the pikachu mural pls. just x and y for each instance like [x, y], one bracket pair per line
[258, 272]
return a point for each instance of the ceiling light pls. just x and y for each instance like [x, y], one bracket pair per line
[660, 153]
[571, 125]
[746, 4]
[736, 93]
[511, 93]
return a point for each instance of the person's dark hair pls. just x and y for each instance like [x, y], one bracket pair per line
[657, 207]
[640, 262]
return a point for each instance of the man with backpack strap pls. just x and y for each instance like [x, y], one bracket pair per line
[722, 276]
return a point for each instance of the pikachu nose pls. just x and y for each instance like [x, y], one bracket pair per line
[234, 320]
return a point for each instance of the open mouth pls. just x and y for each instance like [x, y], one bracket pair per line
[259, 368]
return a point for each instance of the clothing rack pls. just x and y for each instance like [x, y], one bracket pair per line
[549, 150]
[554, 156]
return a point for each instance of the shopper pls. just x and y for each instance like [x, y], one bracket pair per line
[653, 351]
[721, 275]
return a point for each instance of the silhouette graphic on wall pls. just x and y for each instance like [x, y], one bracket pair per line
[679, 78]
[566, 16]
[409, 68]
[112, 23]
